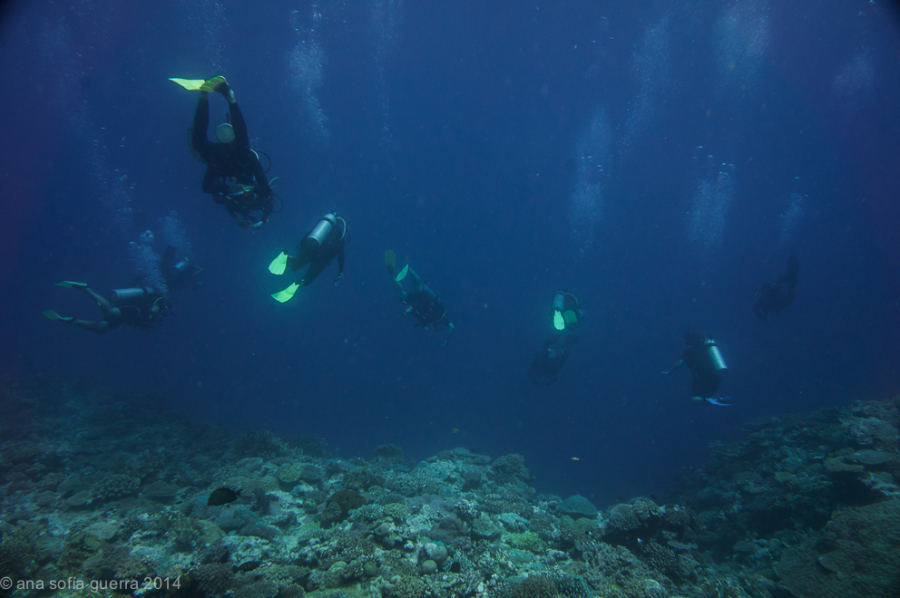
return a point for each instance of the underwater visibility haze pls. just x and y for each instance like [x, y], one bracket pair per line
[574, 186]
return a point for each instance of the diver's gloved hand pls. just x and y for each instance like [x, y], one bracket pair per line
[225, 89]
[338, 279]
[449, 334]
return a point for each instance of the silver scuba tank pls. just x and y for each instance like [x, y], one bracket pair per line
[321, 231]
[559, 301]
[715, 357]
[184, 267]
[119, 295]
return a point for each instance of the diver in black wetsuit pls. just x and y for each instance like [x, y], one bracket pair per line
[421, 302]
[234, 174]
[702, 357]
[179, 275]
[141, 307]
[318, 248]
[775, 298]
[565, 318]
[544, 369]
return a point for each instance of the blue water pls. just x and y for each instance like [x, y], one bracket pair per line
[661, 160]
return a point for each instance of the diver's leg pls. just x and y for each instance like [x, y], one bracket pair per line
[697, 388]
[315, 269]
[98, 327]
[398, 289]
[417, 282]
[201, 124]
[239, 126]
[552, 339]
[100, 300]
[302, 258]
[112, 316]
[705, 386]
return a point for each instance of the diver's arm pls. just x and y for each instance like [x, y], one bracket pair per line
[398, 289]
[758, 309]
[201, 124]
[238, 124]
[270, 205]
[450, 329]
[262, 185]
[230, 208]
[340, 257]
[677, 365]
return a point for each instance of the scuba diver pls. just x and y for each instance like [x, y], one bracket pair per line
[179, 275]
[141, 307]
[234, 173]
[704, 360]
[565, 317]
[421, 302]
[774, 298]
[544, 369]
[317, 248]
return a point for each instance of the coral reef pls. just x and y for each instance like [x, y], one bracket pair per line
[801, 506]
[855, 555]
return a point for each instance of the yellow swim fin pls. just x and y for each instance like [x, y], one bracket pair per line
[559, 321]
[68, 284]
[390, 260]
[199, 84]
[403, 273]
[287, 294]
[55, 317]
[278, 264]
[189, 84]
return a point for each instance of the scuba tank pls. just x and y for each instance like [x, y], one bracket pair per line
[321, 231]
[715, 356]
[182, 274]
[184, 268]
[559, 301]
[562, 318]
[120, 295]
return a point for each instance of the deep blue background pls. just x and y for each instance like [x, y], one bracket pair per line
[454, 139]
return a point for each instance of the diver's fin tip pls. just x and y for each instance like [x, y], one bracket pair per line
[286, 294]
[207, 85]
[278, 264]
